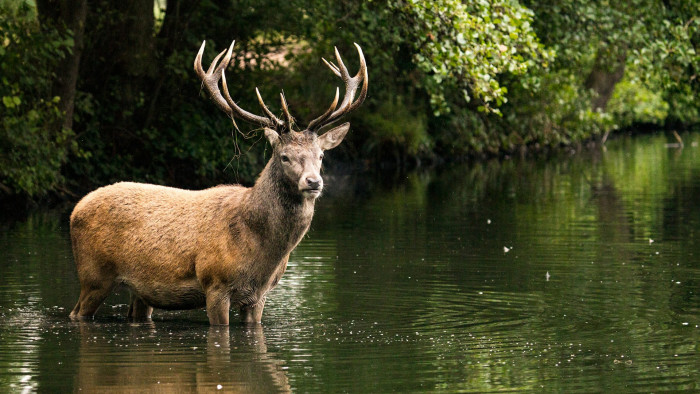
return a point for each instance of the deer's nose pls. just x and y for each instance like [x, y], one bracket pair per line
[314, 182]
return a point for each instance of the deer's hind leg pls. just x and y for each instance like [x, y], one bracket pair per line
[139, 309]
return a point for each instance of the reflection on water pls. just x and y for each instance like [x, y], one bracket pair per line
[577, 273]
[168, 358]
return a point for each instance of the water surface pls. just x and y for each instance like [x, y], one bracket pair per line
[576, 273]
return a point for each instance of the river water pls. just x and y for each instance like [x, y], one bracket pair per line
[576, 273]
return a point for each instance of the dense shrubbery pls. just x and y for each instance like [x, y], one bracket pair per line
[447, 78]
[32, 153]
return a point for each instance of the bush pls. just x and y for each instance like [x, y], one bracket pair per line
[32, 153]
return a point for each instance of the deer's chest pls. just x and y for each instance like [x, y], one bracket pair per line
[252, 286]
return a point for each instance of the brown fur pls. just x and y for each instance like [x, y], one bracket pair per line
[179, 249]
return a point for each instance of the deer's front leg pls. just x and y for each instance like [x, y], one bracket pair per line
[252, 314]
[218, 304]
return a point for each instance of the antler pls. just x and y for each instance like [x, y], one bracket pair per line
[210, 81]
[351, 85]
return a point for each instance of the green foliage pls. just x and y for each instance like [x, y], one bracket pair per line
[655, 41]
[32, 154]
[558, 113]
[635, 103]
[495, 75]
[448, 61]
[465, 46]
[447, 77]
[585, 36]
[395, 127]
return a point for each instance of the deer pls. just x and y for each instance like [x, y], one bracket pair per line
[220, 248]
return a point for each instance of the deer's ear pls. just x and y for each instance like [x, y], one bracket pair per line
[333, 137]
[272, 136]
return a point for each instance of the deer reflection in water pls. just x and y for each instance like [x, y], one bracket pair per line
[156, 359]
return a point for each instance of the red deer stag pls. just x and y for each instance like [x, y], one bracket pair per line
[216, 248]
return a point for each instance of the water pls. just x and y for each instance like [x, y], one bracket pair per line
[578, 273]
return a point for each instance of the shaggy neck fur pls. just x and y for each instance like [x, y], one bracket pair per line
[277, 210]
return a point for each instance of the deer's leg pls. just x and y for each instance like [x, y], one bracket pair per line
[252, 314]
[91, 297]
[139, 310]
[218, 304]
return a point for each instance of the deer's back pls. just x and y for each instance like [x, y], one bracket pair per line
[128, 203]
[133, 221]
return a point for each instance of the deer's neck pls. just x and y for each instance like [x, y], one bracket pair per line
[276, 209]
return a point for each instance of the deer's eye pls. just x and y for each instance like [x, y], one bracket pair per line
[320, 157]
[285, 159]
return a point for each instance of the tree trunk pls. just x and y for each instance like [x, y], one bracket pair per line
[119, 64]
[603, 78]
[178, 14]
[66, 15]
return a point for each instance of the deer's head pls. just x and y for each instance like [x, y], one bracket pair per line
[298, 153]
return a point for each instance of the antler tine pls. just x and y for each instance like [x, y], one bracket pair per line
[330, 110]
[333, 67]
[210, 80]
[351, 84]
[365, 79]
[341, 65]
[198, 60]
[267, 111]
[285, 109]
[213, 68]
[243, 114]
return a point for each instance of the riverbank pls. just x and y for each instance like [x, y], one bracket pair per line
[389, 171]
